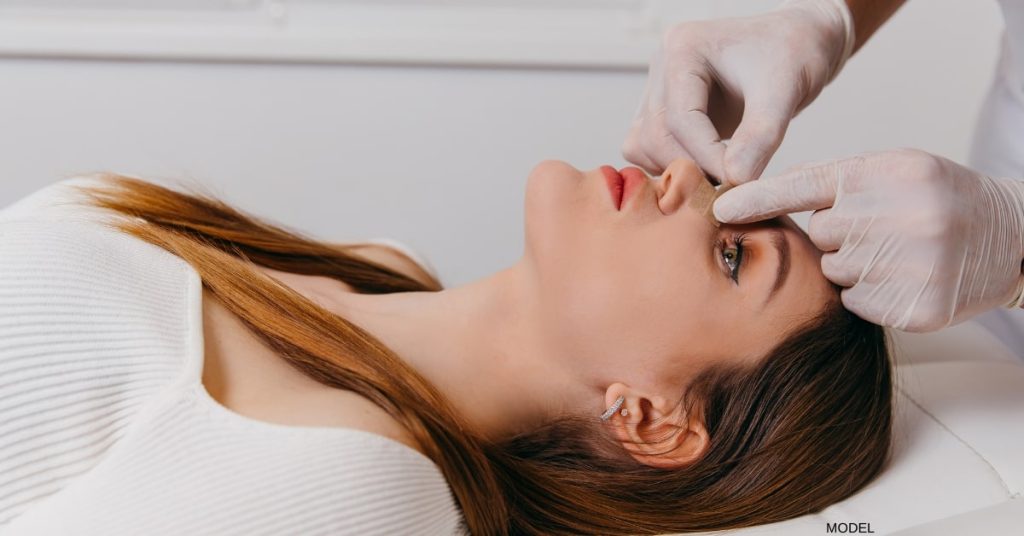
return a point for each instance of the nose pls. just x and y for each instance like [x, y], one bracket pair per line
[678, 184]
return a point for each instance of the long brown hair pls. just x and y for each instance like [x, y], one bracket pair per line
[805, 427]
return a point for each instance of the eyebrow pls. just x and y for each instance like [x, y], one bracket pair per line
[778, 240]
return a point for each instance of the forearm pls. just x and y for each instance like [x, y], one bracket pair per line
[868, 17]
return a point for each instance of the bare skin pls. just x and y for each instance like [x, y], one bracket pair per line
[606, 301]
[247, 377]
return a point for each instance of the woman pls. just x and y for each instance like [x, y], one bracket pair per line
[638, 371]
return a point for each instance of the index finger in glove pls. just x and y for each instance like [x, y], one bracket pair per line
[803, 189]
[687, 90]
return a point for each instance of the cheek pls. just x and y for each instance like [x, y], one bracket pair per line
[631, 296]
[633, 300]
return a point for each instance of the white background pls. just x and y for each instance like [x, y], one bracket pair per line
[428, 142]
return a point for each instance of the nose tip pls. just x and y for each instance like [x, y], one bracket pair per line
[682, 183]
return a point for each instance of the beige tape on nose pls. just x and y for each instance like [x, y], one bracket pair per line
[703, 198]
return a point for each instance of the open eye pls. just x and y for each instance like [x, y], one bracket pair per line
[732, 256]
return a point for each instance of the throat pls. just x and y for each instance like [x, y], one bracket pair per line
[474, 344]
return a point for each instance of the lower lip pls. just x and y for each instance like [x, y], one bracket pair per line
[633, 179]
[616, 185]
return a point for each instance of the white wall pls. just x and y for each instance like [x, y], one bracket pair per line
[436, 156]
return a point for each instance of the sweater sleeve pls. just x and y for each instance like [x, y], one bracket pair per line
[61, 200]
[409, 252]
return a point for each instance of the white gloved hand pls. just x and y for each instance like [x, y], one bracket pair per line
[920, 241]
[709, 73]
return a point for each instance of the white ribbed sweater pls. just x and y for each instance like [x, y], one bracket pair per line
[106, 429]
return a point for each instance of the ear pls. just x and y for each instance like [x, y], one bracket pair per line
[656, 431]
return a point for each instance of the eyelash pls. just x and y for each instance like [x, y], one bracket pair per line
[737, 244]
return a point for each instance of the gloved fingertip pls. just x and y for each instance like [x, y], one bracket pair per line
[710, 160]
[741, 164]
[726, 209]
[716, 169]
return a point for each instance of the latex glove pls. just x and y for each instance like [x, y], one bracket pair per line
[707, 74]
[920, 241]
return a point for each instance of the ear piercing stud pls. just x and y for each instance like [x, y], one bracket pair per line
[624, 412]
[614, 408]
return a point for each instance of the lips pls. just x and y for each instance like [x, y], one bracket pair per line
[622, 183]
[616, 185]
[633, 179]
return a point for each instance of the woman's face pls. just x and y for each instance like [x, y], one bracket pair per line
[652, 292]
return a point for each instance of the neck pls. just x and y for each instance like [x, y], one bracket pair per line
[480, 346]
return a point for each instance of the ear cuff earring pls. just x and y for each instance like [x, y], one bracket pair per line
[614, 408]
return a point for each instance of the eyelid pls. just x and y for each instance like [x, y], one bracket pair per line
[731, 239]
[722, 242]
[743, 246]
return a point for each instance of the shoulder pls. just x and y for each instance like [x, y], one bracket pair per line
[384, 488]
[61, 200]
[398, 257]
[394, 491]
